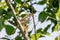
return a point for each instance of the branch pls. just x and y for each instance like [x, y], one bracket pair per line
[33, 21]
[53, 18]
[20, 27]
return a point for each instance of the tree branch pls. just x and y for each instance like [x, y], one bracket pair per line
[20, 27]
[33, 21]
[53, 18]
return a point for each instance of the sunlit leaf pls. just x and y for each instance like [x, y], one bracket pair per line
[55, 28]
[3, 5]
[38, 35]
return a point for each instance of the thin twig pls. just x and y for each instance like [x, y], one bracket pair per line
[52, 18]
[33, 21]
[14, 15]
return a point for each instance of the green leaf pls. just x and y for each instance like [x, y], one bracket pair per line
[47, 33]
[2, 11]
[26, 6]
[55, 28]
[38, 35]
[30, 8]
[8, 15]
[42, 2]
[1, 23]
[5, 14]
[28, 0]
[23, 15]
[55, 3]
[14, 5]
[42, 16]
[0, 0]
[46, 28]
[39, 30]
[9, 29]
[18, 38]
[56, 38]
[29, 33]
[18, 1]
[55, 23]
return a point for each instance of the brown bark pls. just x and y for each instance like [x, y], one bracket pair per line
[20, 27]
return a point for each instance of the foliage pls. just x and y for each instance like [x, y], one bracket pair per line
[1, 23]
[18, 38]
[56, 38]
[9, 29]
[49, 13]
[41, 15]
